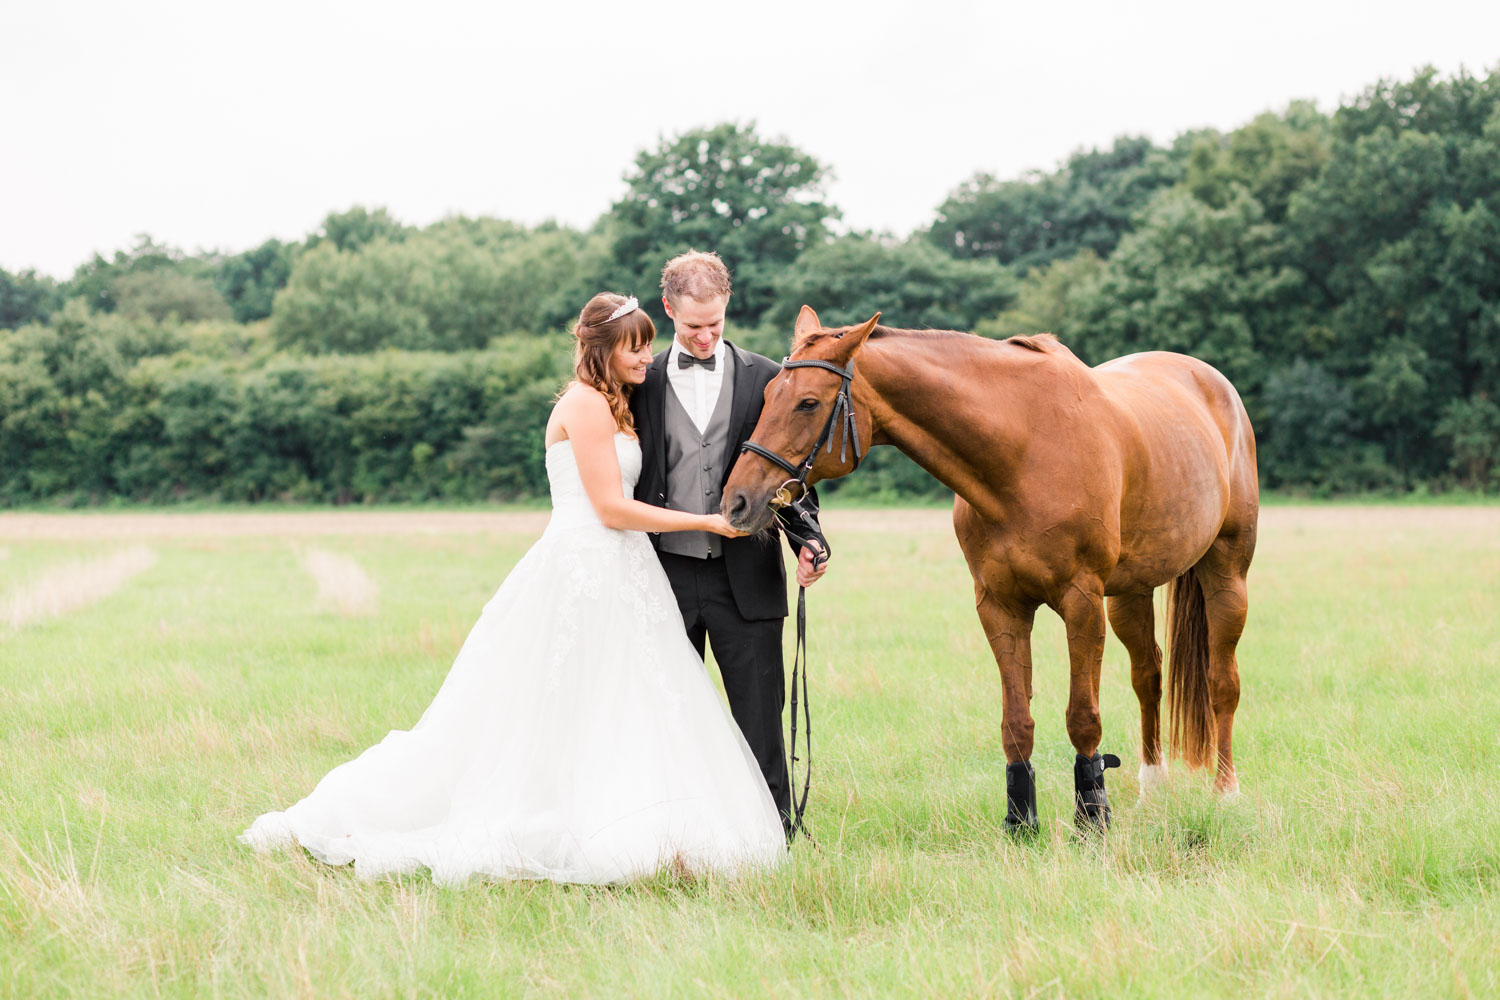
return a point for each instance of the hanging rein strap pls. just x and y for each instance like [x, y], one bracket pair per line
[799, 519]
[799, 668]
[802, 527]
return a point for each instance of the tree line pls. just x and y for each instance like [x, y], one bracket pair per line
[1342, 269]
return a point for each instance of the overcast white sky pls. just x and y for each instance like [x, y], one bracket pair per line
[221, 124]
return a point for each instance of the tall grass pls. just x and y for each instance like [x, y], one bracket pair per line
[139, 735]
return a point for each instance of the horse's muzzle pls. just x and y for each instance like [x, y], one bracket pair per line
[743, 514]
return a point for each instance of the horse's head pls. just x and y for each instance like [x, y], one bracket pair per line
[801, 405]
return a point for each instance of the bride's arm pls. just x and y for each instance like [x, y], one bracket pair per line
[584, 414]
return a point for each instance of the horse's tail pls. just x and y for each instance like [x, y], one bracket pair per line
[1192, 732]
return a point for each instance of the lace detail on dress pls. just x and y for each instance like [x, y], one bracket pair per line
[643, 562]
[591, 545]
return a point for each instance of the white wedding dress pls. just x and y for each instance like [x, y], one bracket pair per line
[576, 738]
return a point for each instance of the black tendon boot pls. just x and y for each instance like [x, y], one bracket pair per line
[1092, 804]
[1020, 798]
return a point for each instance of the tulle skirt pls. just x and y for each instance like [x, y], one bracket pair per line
[576, 738]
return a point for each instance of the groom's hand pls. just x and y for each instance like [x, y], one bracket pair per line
[807, 574]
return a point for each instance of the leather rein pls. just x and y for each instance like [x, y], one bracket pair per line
[799, 519]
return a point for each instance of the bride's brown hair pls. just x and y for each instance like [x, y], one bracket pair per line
[596, 336]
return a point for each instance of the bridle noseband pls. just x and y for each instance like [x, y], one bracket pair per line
[842, 416]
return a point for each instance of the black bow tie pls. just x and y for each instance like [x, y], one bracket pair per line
[686, 360]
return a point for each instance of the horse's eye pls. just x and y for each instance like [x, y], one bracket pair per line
[807, 404]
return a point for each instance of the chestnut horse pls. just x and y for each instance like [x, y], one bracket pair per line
[1075, 487]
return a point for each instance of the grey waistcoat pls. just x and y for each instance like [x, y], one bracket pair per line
[693, 468]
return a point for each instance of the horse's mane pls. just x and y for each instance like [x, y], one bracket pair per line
[891, 331]
[1044, 343]
[1040, 342]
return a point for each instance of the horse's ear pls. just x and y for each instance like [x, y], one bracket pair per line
[807, 322]
[853, 338]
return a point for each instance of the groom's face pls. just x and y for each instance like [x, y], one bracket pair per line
[697, 325]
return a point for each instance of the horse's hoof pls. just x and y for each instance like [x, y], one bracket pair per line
[1020, 799]
[1151, 777]
[1091, 803]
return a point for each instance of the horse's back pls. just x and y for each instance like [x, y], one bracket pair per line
[1191, 471]
[1139, 380]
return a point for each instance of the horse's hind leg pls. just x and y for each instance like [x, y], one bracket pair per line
[1221, 574]
[1133, 619]
[1008, 629]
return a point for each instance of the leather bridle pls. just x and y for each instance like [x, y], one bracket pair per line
[842, 417]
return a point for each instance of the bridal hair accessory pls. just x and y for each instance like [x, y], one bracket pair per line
[630, 305]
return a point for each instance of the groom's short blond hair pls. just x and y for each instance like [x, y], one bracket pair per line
[696, 275]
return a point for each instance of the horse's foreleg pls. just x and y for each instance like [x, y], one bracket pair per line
[1133, 619]
[1082, 611]
[1008, 629]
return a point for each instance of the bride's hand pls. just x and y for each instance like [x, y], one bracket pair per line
[720, 526]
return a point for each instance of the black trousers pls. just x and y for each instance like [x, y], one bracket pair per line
[749, 658]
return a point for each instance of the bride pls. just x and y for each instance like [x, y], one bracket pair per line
[577, 736]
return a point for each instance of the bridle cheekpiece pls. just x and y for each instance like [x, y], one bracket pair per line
[842, 418]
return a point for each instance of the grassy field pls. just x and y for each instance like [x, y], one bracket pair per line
[165, 678]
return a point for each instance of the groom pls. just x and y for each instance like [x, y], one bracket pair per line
[699, 403]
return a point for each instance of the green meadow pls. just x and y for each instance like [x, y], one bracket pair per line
[166, 678]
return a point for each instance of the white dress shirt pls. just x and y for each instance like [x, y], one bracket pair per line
[697, 388]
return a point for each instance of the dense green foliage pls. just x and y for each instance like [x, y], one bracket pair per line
[105, 407]
[451, 287]
[1088, 204]
[249, 281]
[1343, 270]
[25, 297]
[913, 283]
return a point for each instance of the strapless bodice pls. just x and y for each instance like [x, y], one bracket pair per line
[570, 502]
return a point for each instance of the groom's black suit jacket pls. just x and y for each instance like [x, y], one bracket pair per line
[757, 575]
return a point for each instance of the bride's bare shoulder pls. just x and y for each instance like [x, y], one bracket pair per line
[580, 408]
[580, 398]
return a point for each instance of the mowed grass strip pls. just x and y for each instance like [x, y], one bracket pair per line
[140, 734]
[342, 582]
[73, 586]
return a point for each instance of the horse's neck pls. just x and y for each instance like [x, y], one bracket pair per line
[955, 406]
